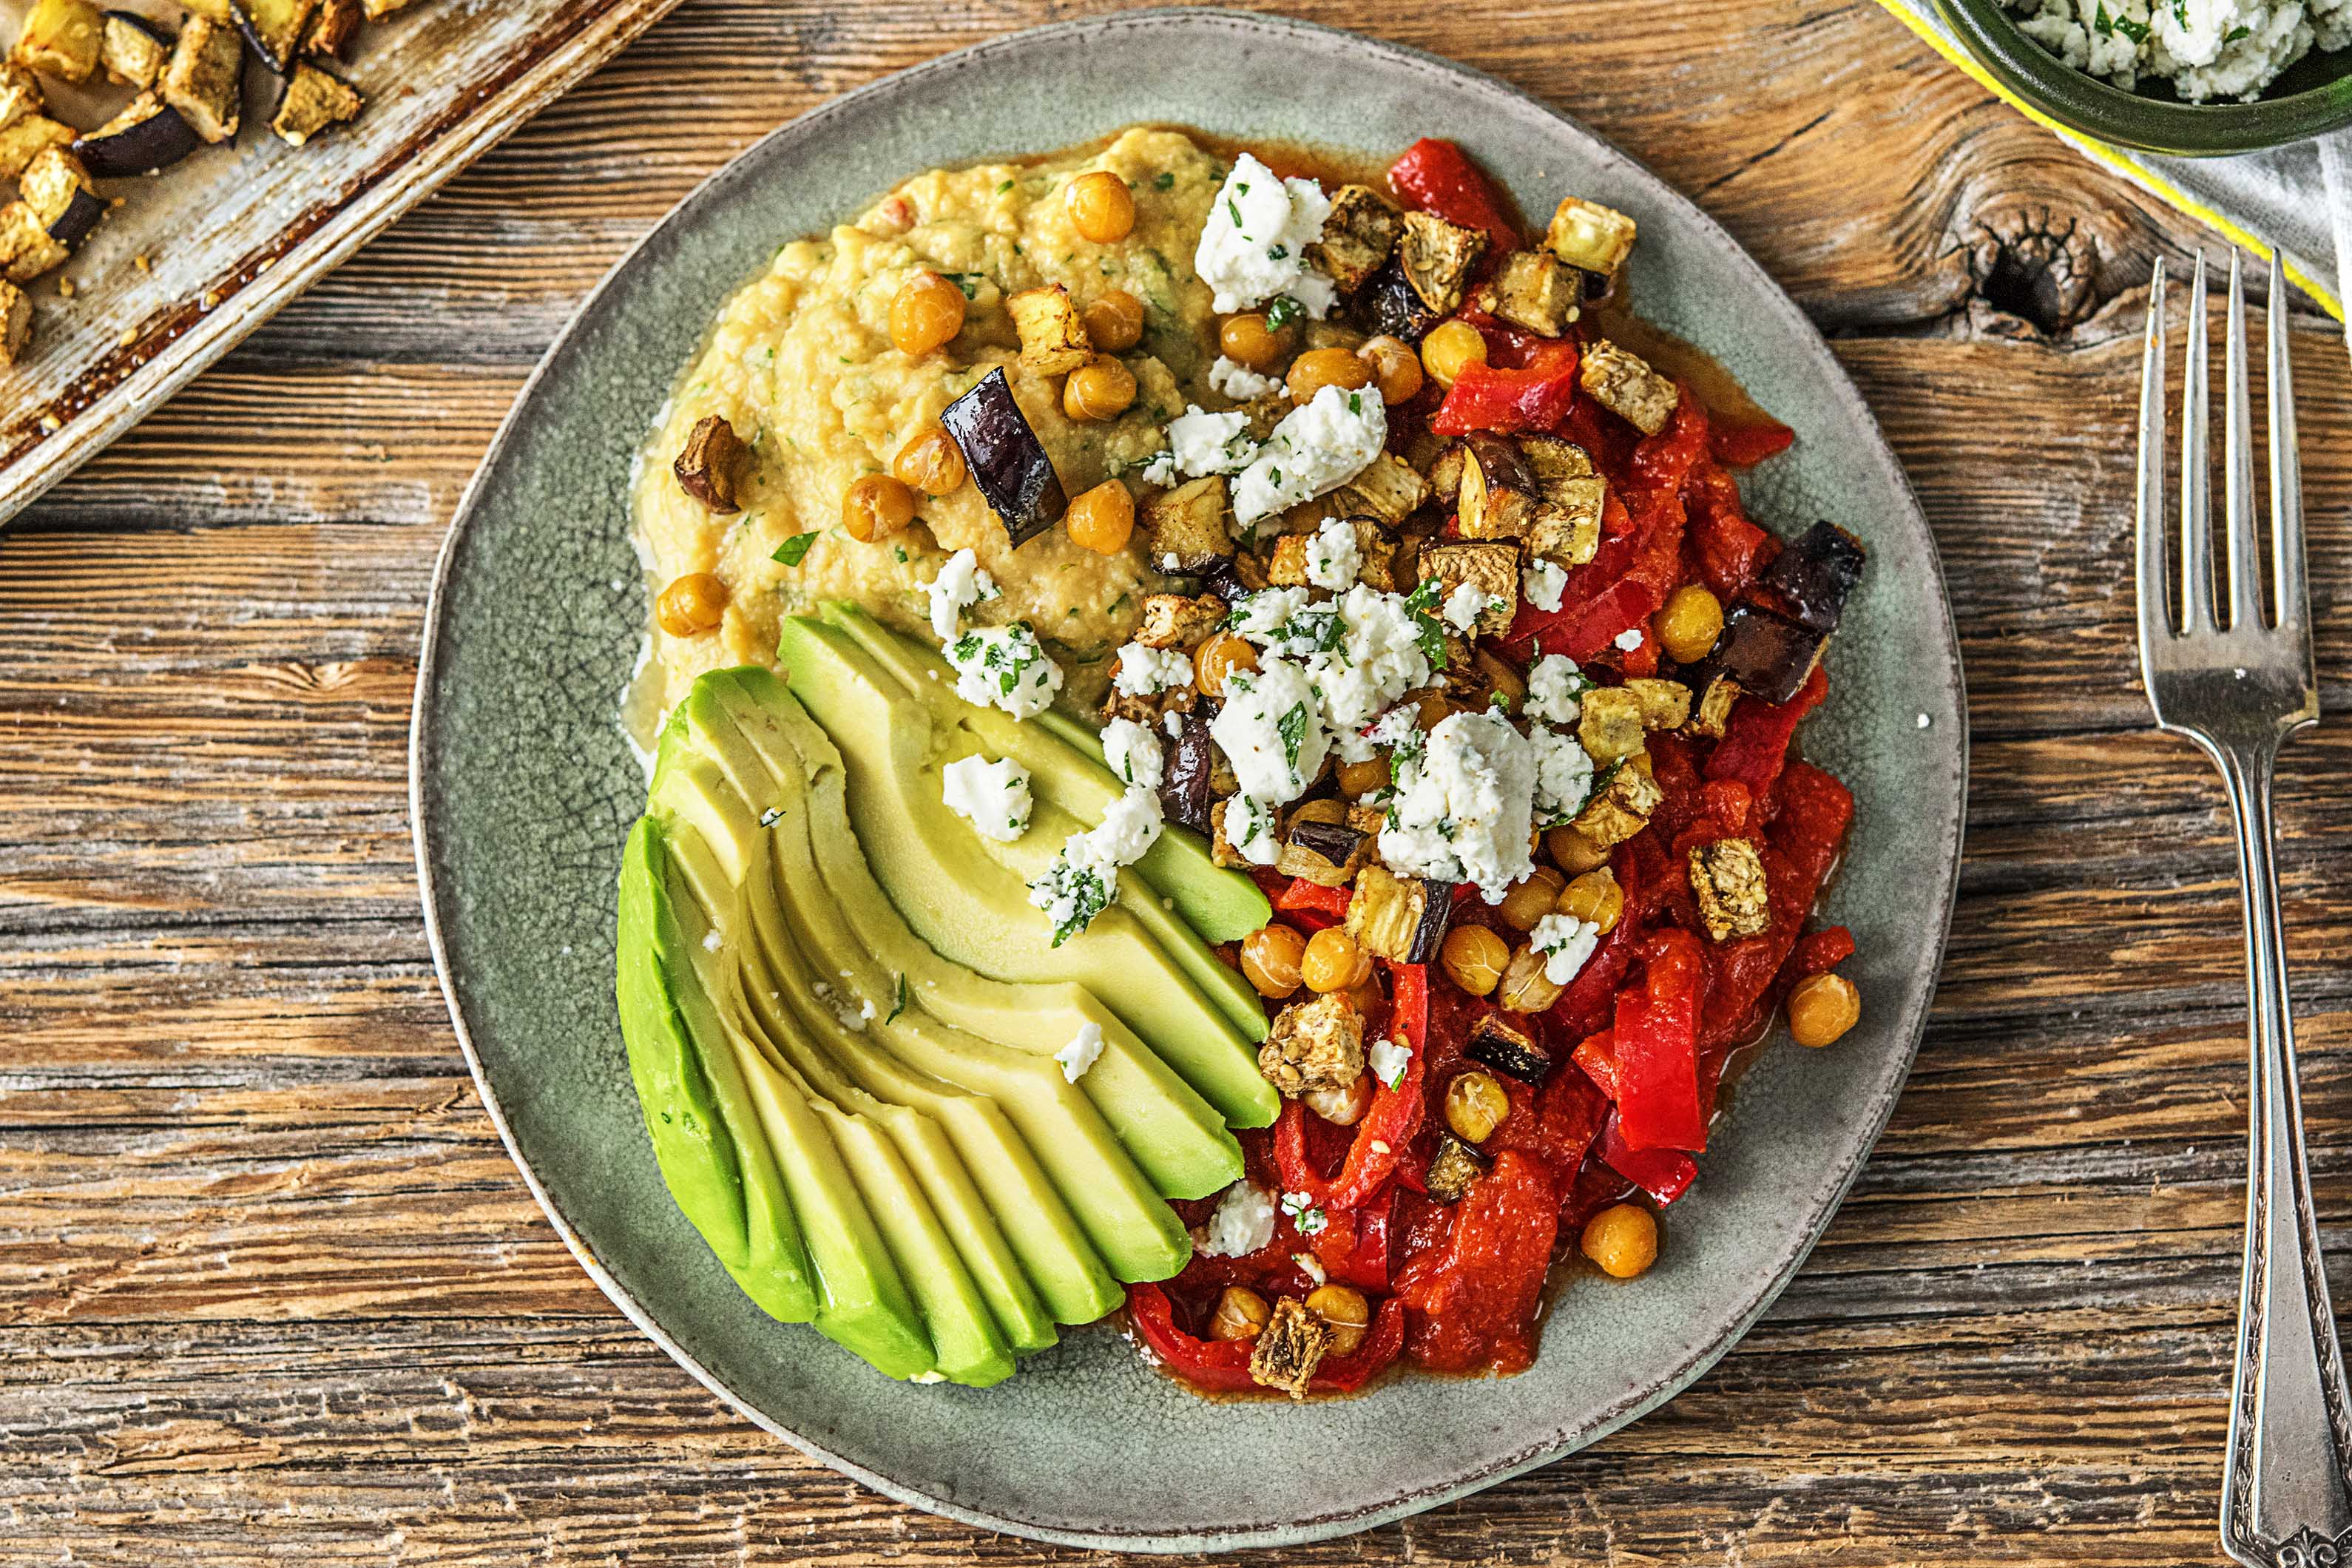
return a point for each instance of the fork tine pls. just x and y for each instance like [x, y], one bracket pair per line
[2286, 476]
[2241, 542]
[2154, 601]
[2195, 480]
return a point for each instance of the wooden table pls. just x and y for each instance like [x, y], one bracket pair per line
[270, 1291]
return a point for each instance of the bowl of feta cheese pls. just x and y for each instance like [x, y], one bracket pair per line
[2185, 76]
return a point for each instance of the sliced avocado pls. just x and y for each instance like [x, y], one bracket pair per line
[973, 908]
[1178, 1138]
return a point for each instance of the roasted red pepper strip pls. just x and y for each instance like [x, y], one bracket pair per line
[1664, 1174]
[1438, 177]
[1821, 951]
[1534, 398]
[1474, 1304]
[1755, 744]
[1353, 1246]
[1395, 1115]
[1303, 894]
[1596, 1055]
[1741, 445]
[1655, 1044]
[1346, 1374]
[1221, 1366]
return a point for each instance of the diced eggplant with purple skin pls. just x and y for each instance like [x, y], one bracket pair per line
[1770, 655]
[1327, 854]
[1809, 581]
[1508, 1050]
[1388, 305]
[150, 134]
[275, 29]
[1185, 791]
[1453, 1166]
[134, 49]
[1007, 461]
[57, 186]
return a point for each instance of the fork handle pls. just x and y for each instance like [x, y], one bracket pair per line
[2286, 1491]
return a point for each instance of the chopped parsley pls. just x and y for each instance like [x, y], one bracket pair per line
[1234, 210]
[1282, 310]
[900, 1006]
[1292, 728]
[1428, 628]
[968, 282]
[794, 550]
[1165, 180]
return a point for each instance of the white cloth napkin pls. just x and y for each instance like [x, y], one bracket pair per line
[2298, 198]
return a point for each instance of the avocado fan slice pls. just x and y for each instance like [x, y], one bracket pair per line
[971, 907]
[1179, 1140]
[1137, 1233]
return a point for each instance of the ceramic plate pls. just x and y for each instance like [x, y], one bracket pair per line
[524, 788]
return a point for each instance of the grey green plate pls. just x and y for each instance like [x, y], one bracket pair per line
[523, 789]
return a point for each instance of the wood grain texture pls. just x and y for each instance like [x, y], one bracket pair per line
[271, 1292]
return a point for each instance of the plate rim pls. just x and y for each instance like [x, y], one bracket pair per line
[1910, 1031]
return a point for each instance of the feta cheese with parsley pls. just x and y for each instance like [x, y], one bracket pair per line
[1249, 828]
[1078, 886]
[1388, 1061]
[1303, 1214]
[1382, 656]
[1464, 606]
[1242, 1223]
[1086, 1048]
[1567, 944]
[993, 797]
[1130, 825]
[960, 585]
[1554, 686]
[1270, 728]
[1201, 444]
[1464, 809]
[1563, 775]
[1315, 448]
[1134, 753]
[2206, 48]
[1254, 245]
[1148, 671]
[1238, 381]
[1543, 582]
[1334, 558]
[1629, 639]
[1003, 667]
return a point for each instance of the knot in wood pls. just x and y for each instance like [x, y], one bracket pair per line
[2039, 267]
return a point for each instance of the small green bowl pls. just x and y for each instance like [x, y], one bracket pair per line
[2311, 97]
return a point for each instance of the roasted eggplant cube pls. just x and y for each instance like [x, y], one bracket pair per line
[16, 324]
[1664, 704]
[1445, 473]
[1053, 334]
[1184, 790]
[333, 29]
[1400, 919]
[1769, 654]
[1438, 258]
[1453, 1166]
[1536, 290]
[133, 49]
[1714, 710]
[1809, 581]
[1387, 489]
[1490, 565]
[1008, 462]
[1624, 383]
[204, 79]
[710, 463]
[1590, 237]
[211, 11]
[1565, 526]
[60, 39]
[312, 101]
[1609, 723]
[1288, 1349]
[1621, 807]
[27, 140]
[1327, 854]
[274, 30]
[26, 250]
[1360, 235]
[1497, 495]
[57, 186]
[148, 135]
[1733, 892]
[1179, 620]
[20, 95]
[1386, 306]
[1190, 530]
[1509, 1050]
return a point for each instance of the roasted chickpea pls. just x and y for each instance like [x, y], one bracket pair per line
[1525, 987]
[1218, 658]
[932, 463]
[692, 605]
[1360, 779]
[1396, 369]
[1690, 623]
[877, 507]
[1823, 1007]
[1102, 519]
[1099, 389]
[1572, 852]
[1366, 998]
[1316, 369]
[1475, 1106]
[1451, 348]
[1342, 1107]
[1622, 1239]
[1331, 960]
[1531, 898]
[1433, 709]
[1346, 1316]
[1241, 1314]
[1115, 322]
[926, 314]
[1247, 339]
[1595, 896]
[1100, 206]
[1270, 957]
[1474, 958]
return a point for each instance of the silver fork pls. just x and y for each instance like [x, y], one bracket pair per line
[2238, 687]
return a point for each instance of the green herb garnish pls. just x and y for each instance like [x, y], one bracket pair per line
[1282, 310]
[901, 1004]
[792, 551]
[1293, 731]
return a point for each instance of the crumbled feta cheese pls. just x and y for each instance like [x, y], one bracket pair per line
[1076, 887]
[1200, 443]
[711, 941]
[1310, 1266]
[1173, 722]
[1238, 381]
[1081, 1053]
[1554, 684]
[1254, 245]
[1308, 1219]
[1271, 727]
[2206, 48]
[1566, 943]
[1249, 828]
[1629, 639]
[1380, 656]
[1334, 559]
[1148, 671]
[1317, 448]
[992, 797]
[1242, 1223]
[1563, 775]
[1464, 809]
[1464, 606]
[1264, 617]
[1134, 753]
[1543, 582]
[960, 585]
[1388, 1060]
[1130, 825]
[1004, 668]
